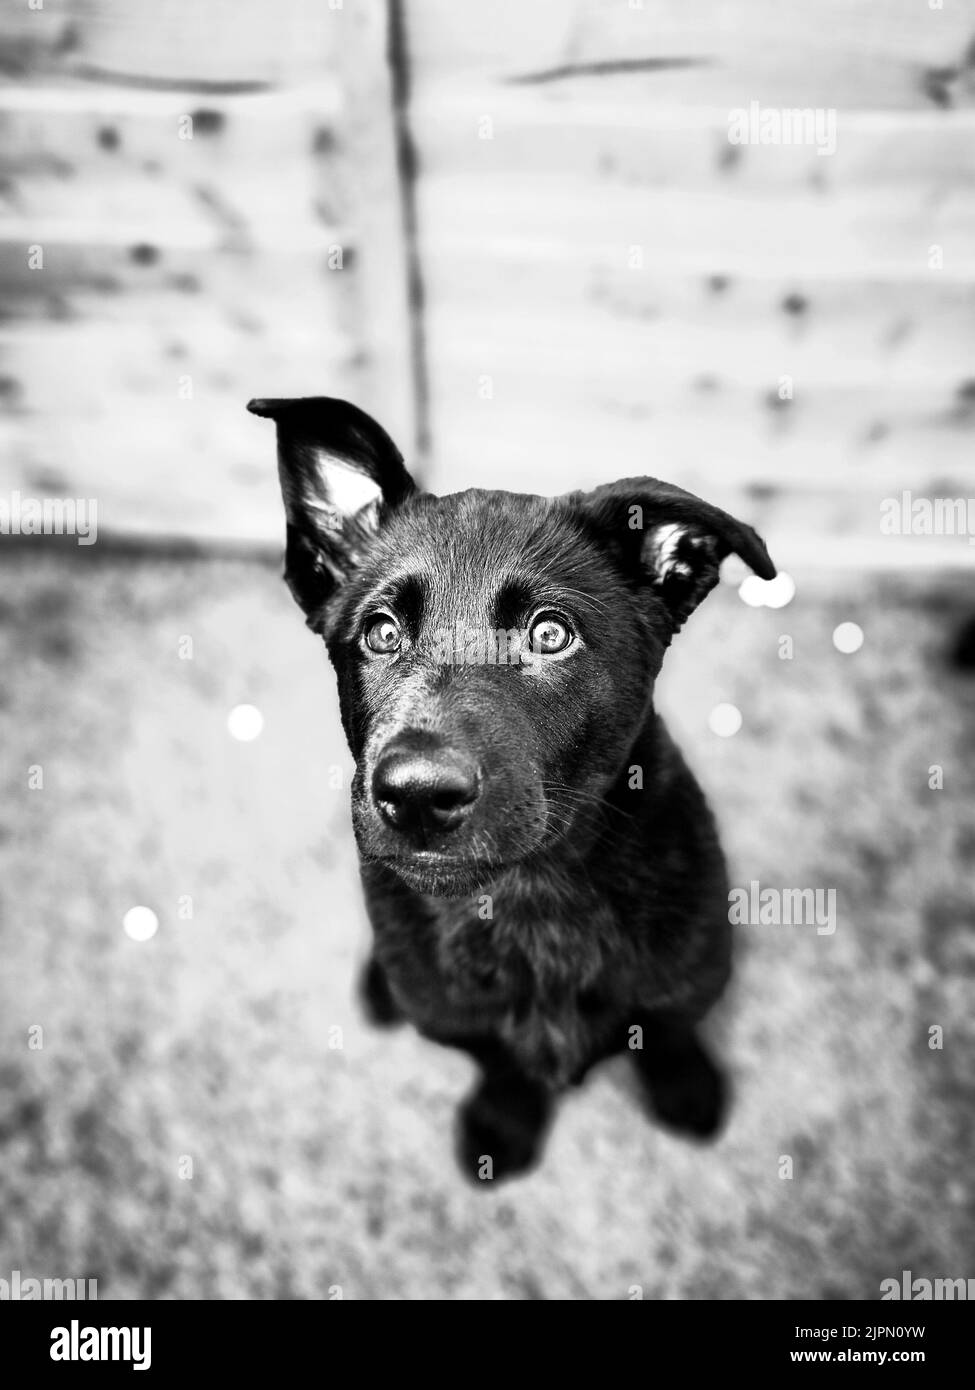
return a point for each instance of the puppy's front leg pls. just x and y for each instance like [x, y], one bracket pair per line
[684, 1087]
[377, 999]
[503, 1122]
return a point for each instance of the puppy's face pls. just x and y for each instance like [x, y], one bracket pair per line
[493, 670]
[496, 653]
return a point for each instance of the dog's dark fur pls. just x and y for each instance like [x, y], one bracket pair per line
[549, 888]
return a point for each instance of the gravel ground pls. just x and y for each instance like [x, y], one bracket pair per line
[210, 1116]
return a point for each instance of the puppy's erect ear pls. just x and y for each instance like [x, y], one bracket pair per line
[668, 539]
[340, 475]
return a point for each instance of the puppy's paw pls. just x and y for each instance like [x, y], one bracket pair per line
[380, 1008]
[499, 1134]
[688, 1093]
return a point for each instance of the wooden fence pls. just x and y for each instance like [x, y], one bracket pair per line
[200, 203]
[611, 285]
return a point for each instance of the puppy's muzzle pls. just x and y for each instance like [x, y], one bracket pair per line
[424, 788]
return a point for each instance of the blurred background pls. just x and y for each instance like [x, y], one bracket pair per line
[520, 236]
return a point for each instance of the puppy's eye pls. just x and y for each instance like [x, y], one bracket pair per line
[549, 633]
[383, 634]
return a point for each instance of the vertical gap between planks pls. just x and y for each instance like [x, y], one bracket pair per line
[407, 166]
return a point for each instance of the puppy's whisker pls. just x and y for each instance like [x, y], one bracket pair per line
[579, 799]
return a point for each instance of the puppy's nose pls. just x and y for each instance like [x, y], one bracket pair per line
[424, 788]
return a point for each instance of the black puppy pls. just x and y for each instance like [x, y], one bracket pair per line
[542, 871]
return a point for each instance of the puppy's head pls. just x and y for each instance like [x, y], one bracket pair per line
[496, 653]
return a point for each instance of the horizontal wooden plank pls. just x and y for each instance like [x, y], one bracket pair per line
[844, 53]
[103, 207]
[522, 341]
[90, 365]
[147, 415]
[156, 463]
[584, 438]
[494, 129]
[218, 45]
[183, 225]
[178, 293]
[559, 218]
[715, 325]
[115, 283]
[250, 156]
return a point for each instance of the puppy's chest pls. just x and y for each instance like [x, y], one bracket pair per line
[522, 952]
[527, 958]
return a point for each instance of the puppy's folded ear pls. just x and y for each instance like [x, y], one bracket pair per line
[340, 476]
[668, 540]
